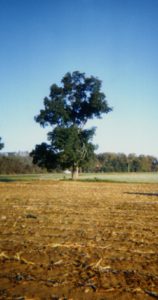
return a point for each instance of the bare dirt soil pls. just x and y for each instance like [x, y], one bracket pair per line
[78, 240]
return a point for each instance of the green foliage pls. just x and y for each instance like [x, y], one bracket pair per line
[44, 157]
[119, 162]
[1, 144]
[77, 100]
[67, 109]
[17, 165]
[71, 145]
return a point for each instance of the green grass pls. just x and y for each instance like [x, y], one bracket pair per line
[122, 177]
[30, 177]
[99, 177]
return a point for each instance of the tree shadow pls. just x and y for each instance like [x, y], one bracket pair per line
[142, 194]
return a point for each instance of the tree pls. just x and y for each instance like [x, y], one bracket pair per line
[17, 165]
[1, 144]
[119, 162]
[67, 110]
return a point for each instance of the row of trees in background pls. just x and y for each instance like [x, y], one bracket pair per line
[15, 163]
[104, 162]
[18, 165]
[119, 162]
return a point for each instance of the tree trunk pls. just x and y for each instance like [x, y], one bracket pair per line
[75, 173]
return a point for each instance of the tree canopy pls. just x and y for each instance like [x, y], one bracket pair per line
[120, 162]
[67, 110]
[1, 144]
[16, 164]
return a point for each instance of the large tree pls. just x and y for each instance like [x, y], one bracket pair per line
[67, 110]
[1, 144]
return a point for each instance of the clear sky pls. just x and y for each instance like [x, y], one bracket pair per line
[114, 40]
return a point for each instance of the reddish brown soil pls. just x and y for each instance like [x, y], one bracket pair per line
[75, 240]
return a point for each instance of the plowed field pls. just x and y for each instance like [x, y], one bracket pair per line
[78, 240]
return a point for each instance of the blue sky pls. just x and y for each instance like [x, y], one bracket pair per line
[114, 40]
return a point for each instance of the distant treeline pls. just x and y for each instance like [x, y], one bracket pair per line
[104, 162]
[119, 162]
[18, 165]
